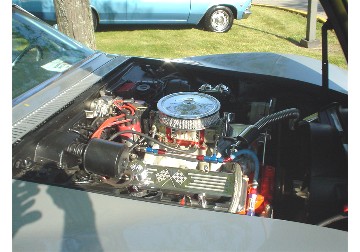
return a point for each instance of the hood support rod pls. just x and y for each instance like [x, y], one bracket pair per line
[325, 57]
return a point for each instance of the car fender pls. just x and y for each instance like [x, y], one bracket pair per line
[198, 10]
[95, 11]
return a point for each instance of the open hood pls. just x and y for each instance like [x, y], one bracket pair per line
[337, 12]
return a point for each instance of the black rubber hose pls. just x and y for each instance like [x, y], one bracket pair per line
[291, 113]
[253, 131]
[76, 149]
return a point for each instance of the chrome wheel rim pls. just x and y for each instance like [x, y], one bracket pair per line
[219, 20]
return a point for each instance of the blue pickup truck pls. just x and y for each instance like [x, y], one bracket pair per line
[213, 15]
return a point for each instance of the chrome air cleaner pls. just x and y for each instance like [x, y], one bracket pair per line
[188, 110]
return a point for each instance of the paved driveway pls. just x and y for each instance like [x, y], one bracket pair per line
[292, 4]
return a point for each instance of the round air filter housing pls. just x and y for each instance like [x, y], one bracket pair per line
[188, 110]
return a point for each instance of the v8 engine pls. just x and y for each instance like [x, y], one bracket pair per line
[182, 150]
[196, 137]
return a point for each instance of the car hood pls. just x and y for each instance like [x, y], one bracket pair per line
[288, 66]
[162, 228]
[337, 13]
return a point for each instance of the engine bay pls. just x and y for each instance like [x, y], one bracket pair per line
[198, 137]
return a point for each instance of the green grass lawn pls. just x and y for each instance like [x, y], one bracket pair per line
[266, 30]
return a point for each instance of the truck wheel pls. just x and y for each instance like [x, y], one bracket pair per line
[218, 19]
